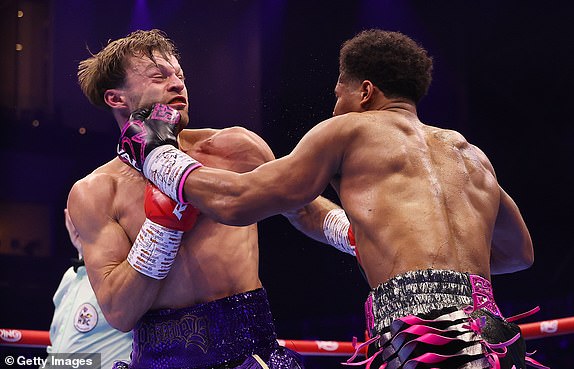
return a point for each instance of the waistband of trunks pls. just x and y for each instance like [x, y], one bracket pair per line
[205, 335]
[421, 291]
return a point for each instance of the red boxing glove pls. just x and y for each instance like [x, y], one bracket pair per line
[351, 236]
[353, 243]
[162, 210]
[156, 245]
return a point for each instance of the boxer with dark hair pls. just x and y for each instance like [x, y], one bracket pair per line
[187, 285]
[431, 222]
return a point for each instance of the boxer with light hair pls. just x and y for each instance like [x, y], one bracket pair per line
[431, 222]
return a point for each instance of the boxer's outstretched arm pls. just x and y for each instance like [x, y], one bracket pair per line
[123, 294]
[511, 249]
[222, 193]
[249, 151]
[275, 187]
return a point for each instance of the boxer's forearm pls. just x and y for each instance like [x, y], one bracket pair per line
[231, 198]
[242, 199]
[125, 295]
[309, 219]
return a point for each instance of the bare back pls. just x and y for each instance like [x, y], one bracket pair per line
[418, 196]
[214, 260]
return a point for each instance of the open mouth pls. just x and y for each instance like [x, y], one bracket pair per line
[178, 103]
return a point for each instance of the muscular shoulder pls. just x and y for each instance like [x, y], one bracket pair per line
[235, 136]
[468, 151]
[98, 191]
[90, 201]
[482, 158]
[92, 186]
[445, 137]
[234, 148]
[104, 179]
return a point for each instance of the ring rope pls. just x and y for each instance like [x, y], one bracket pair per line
[547, 328]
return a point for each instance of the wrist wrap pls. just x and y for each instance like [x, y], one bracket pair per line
[167, 167]
[154, 250]
[336, 229]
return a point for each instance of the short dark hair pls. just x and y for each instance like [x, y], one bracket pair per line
[393, 62]
[107, 68]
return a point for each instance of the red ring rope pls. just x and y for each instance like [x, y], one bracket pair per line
[547, 328]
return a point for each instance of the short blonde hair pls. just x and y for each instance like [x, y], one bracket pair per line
[107, 69]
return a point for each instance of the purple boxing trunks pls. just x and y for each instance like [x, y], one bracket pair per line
[439, 319]
[232, 332]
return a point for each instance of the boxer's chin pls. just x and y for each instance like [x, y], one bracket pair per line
[183, 121]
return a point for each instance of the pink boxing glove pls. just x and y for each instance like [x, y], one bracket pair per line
[148, 142]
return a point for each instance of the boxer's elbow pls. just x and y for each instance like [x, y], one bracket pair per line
[502, 263]
[118, 315]
[120, 320]
[527, 259]
[122, 326]
[525, 254]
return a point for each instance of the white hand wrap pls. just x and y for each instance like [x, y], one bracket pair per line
[336, 229]
[154, 250]
[167, 167]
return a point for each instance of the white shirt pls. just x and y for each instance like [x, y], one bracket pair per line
[79, 325]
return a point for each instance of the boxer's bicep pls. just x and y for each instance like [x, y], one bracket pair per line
[314, 162]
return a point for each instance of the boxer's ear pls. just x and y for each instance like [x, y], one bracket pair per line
[367, 91]
[115, 98]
